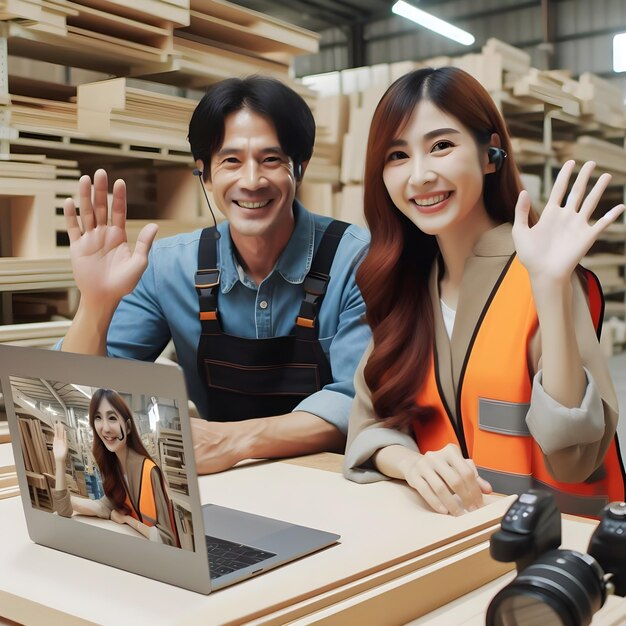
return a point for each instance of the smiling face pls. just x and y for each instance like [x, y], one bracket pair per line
[434, 172]
[110, 427]
[252, 179]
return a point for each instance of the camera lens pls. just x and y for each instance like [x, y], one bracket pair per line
[525, 609]
[562, 588]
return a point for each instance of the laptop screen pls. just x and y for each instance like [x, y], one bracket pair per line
[110, 458]
[104, 461]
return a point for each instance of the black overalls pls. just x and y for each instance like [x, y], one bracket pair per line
[248, 378]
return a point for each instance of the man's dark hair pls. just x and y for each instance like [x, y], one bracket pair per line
[281, 105]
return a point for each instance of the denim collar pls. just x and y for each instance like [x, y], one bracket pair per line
[294, 262]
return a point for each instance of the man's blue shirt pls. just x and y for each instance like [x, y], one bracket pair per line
[165, 305]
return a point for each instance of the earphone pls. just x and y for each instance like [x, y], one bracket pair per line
[297, 169]
[199, 173]
[496, 156]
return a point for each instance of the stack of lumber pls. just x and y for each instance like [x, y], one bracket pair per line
[497, 66]
[224, 40]
[110, 109]
[35, 274]
[196, 64]
[548, 87]
[32, 188]
[607, 155]
[601, 100]
[188, 44]
[172, 41]
[530, 151]
[42, 290]
[321, 181]
[259, 34]
[147, 11]
[44, 17]
[111, 35]
[32, 114]
[115, 55]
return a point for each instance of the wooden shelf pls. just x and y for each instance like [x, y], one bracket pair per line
[39, 335]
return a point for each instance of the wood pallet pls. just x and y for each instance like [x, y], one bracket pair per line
[55, 142]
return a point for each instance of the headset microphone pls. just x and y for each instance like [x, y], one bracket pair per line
[199, 173]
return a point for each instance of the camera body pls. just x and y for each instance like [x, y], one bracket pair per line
[560, 587]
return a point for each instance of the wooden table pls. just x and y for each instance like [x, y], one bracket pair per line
[395, 561]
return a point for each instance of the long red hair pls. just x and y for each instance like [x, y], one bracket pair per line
[394, 275]
[110, 470]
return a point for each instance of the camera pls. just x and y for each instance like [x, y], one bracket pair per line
[552, 586]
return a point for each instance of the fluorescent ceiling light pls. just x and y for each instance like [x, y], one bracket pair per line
[83, 390]
[433, 23]
[619, 53]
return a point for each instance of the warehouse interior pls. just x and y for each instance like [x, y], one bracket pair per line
[549, 64]
[89, 84]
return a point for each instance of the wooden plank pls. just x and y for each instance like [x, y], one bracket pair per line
[149, 11]
[119, 26]
[260, 35]
[607, 155]
[213, 61]
[45, 333]
[20, 9]
[296, 40]
[542, 86]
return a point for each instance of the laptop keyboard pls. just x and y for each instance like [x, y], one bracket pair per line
[226, 556]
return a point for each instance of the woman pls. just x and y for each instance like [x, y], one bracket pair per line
[484, 351]
[133, 483]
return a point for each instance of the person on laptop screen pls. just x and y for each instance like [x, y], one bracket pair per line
[133, 484]
[263, 310]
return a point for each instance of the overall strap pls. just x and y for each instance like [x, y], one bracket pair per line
[316, 281]
[207, 281]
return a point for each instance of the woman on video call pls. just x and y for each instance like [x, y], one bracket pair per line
[133, 483]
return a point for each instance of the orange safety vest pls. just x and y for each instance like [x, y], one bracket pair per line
[147, 513]
[493, 398]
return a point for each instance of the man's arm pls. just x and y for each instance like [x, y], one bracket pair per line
[220, 445]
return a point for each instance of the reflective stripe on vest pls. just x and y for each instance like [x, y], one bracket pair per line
[494, 396]
[147, 506]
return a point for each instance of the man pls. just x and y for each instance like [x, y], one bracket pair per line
[267, 331]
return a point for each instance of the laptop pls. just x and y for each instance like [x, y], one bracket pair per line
[201, 548]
